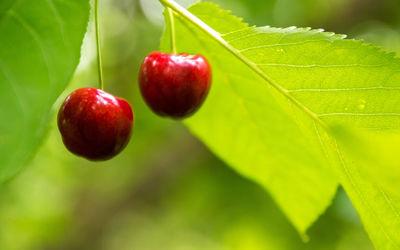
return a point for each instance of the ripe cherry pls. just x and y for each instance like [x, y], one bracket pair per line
[174, 85]
[94, 124]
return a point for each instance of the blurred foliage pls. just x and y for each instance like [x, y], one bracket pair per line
[166, 190]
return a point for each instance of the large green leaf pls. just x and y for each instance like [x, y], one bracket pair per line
[253, 128]
[39, 50]
[274, 94]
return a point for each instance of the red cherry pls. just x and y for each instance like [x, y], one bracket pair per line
[95, 124]
[174, 85]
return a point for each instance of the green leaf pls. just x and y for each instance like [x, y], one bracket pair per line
[39, 51]
[275, 93]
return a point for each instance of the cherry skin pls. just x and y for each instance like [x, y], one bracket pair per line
[94, 124]
[174, 85]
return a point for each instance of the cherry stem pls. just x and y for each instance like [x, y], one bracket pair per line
[172, 26]
[98, 44]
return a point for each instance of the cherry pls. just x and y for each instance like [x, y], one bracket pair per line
[94, 124]
[174, 85]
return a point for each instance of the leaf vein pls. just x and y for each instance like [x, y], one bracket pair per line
[60, 23]
[236, 31]
[320, 65]
[358, 114]
[37, 39]
[282, 44]
[344, 89]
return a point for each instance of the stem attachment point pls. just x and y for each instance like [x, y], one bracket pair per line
[172, 27]
[98, 44]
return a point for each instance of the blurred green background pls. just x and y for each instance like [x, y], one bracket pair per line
[166, 190]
